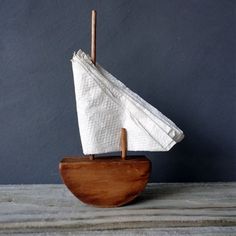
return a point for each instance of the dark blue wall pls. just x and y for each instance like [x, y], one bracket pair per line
[178, 55]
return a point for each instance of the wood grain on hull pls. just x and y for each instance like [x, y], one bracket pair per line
[105, 181]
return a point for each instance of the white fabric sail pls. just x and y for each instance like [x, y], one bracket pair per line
[105, 105]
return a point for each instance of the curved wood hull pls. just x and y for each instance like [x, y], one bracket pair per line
[106, 181]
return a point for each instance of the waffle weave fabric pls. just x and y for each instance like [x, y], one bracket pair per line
[105, 105]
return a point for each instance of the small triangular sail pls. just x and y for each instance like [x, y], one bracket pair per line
[105, 105]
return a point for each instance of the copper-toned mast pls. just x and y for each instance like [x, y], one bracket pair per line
[93, 44]
[93, 36]
[93, 57]
[123, 143]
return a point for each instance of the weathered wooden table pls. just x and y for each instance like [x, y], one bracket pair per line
[163, 209]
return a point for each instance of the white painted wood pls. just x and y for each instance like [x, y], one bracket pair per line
[163, 209]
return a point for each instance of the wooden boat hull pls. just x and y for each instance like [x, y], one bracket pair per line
[105, 181]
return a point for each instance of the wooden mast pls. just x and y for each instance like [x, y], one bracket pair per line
[93, 36]
[93, 43]
[93, 57]
[123, 143]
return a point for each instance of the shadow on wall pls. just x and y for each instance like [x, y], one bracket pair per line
[195, 159]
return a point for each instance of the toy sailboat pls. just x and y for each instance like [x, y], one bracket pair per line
[112, 118]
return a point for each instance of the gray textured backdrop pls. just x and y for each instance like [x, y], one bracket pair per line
[178, 55]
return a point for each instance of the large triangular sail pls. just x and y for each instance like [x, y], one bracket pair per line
[105, 105]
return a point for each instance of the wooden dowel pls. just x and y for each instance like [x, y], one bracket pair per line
[93, 36]
[93, 46]
[123, 143]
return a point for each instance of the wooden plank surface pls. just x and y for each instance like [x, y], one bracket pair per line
[162, 209]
